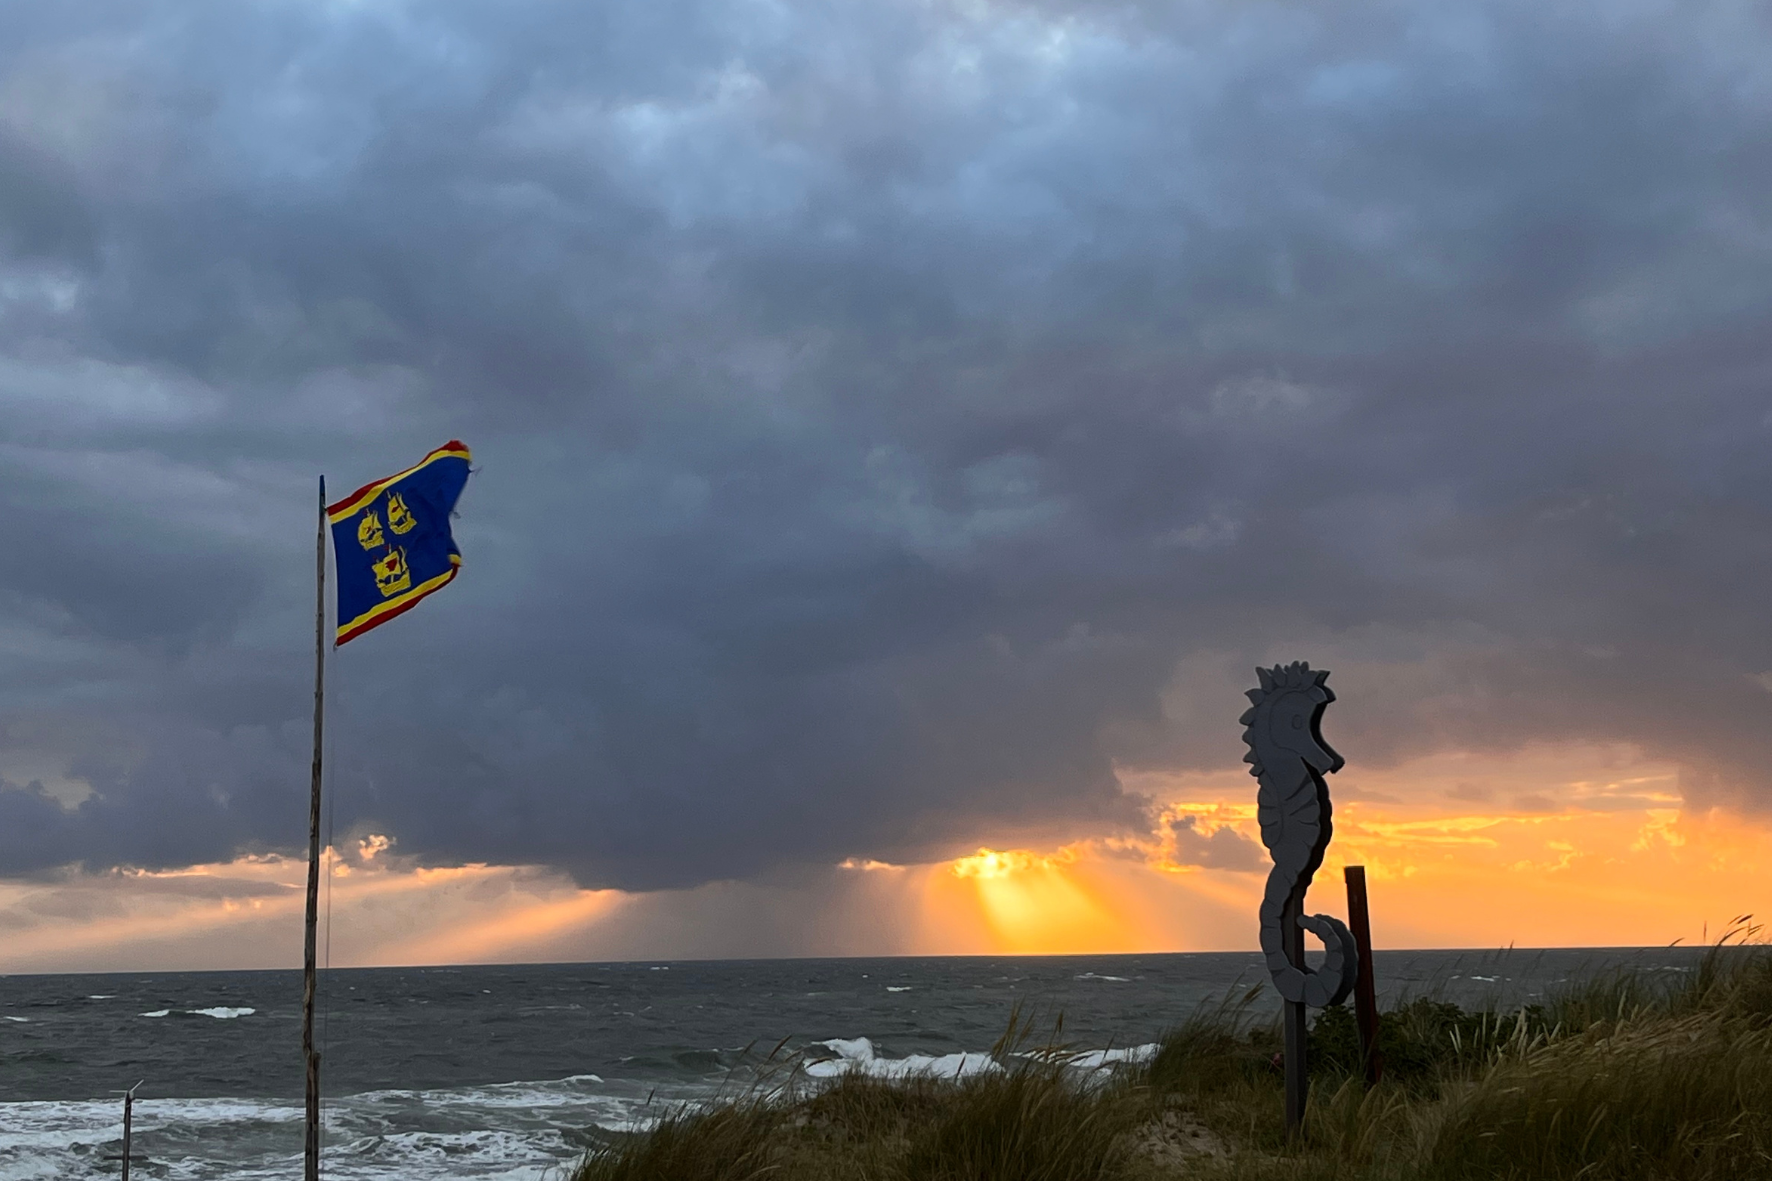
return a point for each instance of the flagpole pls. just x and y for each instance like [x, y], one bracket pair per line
[311, 1152]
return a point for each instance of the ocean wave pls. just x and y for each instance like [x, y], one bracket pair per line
[577, 1088]
[220, 1012]
[1125, 1056]
[857, 1056]
[492, 1132]
[487, 1155]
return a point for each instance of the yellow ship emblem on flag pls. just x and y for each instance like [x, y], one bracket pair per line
[391, 574]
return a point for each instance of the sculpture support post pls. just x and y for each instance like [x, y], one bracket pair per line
[1365, 994]
[1293, 1021]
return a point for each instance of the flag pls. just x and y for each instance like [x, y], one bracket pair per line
[391, 540]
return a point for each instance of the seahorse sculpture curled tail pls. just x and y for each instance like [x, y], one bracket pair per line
[1289, 758]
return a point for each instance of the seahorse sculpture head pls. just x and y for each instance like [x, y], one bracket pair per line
[1284, 727]
[1288, 757]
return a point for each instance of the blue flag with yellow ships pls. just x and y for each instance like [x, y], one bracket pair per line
[391, 540]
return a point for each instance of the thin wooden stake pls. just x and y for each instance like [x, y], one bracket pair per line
[311, 1146]
[128, 1130]
[1365, 992]
[128, 1120]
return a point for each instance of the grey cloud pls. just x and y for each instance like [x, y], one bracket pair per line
[74, 897]
[1222, 848]
[888, 420]
[42, 215]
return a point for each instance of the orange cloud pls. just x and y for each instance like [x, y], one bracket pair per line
[523, 922]
[1549, 846]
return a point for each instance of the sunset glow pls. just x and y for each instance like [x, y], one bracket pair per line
[1033, 904]
[1573, 846]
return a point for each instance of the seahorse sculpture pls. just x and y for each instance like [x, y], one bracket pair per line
[1289, 758]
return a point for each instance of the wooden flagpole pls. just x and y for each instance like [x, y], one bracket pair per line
[311, 1152]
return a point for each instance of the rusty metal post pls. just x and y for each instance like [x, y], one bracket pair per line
[1365, 992]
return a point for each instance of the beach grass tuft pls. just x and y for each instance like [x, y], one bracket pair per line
[1623, 1076]
[738, 1141]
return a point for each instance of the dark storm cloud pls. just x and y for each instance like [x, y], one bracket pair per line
[890, 418]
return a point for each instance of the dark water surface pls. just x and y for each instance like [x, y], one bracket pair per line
[498, 1072]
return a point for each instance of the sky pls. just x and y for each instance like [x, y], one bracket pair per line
[900, 427]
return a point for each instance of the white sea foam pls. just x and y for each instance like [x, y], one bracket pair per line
[484, 1155]
[1094, 976]
[20, 1020]
[1128, 1055]
[856, 1055]
[572, 1089]
[40, 1141]
[220, 1012]
[102, 996]
[898, 988]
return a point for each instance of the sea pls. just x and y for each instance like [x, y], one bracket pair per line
[514, 1071]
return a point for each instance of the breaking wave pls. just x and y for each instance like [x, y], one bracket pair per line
[500, 1132]
[858, 1056]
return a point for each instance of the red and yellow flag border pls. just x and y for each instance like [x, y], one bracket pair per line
[339, 510]
[382, 612]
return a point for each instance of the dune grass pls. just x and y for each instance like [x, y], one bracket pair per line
[1032, 1119]
[1626, 1076]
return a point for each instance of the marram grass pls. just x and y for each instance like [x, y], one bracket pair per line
[1625, 1077]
